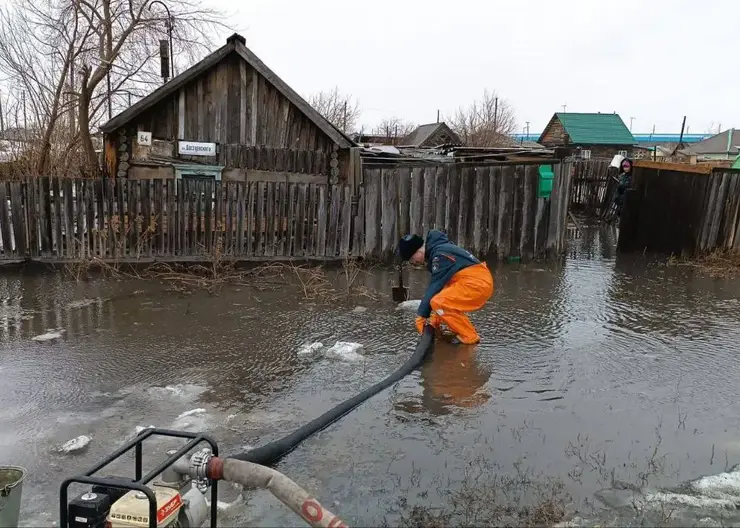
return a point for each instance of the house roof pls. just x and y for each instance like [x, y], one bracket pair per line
[424, 132]
[723, 143]
[594, 129]
[235, 43]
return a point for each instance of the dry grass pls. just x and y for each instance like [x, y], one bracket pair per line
[219, 270]
[718, 264]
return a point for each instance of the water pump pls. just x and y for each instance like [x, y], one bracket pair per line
[174, 499]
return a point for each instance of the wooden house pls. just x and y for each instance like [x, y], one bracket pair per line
[589, 135]
[431, 135]
[228, 117]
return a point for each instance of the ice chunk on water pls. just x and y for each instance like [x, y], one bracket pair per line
[76, 444]
[140, 428]
[409, 306]
[48, 336]
[312, 348]
[359, 309]
[347, 351]
[192, 412]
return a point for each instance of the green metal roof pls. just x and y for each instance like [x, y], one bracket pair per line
[596, 129]
[736, 164]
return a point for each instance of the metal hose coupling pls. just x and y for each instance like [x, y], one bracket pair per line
[198, 469]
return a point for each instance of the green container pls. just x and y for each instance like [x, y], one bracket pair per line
[544, 187]
[11, 488]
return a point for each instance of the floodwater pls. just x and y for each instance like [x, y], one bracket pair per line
[615, 377]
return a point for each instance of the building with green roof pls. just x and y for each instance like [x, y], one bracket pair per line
[589, 135]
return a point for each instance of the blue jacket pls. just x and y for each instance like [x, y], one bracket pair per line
[444, 259]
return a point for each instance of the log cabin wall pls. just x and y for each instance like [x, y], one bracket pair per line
[236, 107]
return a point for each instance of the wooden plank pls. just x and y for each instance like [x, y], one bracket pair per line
[5, 221]
[517, 211]
[718, 209]
[452, 198]
[92, 228]
[169, 189]
[540, 233]
[100, 218]
[30, 194]
[506, 210]
[467, 183]
[708, 209]
[358, 226]
[81, 235]
[193, 199]
[229, 221]
[241, 204]
[270, 220]
[259, 220]
[372, 179]
[404, 200]
[416, 208]
[121, 235]
[553, 236]
[69, 233]
[291, 219]
[334, 211]
[19, 225]
[181, 223]
[480, 208]
[283, 242]
[529, 211]
[131, 231]
[311, 220]
[322, 222]
[430, 201]
[300, 227]
[44, 209]
[346, 219]
[389, 213]
[491, 199]
[200, 208]
[58, 216]
[251, 204]
[731, 212]
[440, 186]
[146, 215]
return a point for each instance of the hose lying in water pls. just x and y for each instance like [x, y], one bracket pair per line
[274, 451]
[288, 492]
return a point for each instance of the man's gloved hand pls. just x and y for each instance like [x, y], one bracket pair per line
[420, 322]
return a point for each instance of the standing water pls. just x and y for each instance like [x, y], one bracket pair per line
[602, 390]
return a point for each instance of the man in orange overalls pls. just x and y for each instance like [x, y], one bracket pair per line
[460, 283]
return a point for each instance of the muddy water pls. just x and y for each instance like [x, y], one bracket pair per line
[613, 376]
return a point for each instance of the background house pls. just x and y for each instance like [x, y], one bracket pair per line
[431, 135]
[723, 146]
[589, 135]
[227, 117]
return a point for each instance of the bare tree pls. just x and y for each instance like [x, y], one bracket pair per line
[337, 108]
[488, 122]
[73, 61]
[394, 128]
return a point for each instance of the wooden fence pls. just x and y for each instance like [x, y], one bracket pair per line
[493, 211]
[681, 209]
[74, 219]
[594, 186]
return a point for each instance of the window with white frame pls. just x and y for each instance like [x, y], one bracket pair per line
[586, 154]
[622, 153]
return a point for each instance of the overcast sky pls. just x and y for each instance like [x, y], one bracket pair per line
[653, 60]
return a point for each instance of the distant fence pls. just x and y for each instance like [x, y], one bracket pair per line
[681, 209]
[493, 211]
[74, 219]
[594, 185]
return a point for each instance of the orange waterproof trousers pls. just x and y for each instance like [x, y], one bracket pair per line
[468, 290]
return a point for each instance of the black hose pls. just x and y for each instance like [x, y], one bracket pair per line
[269, 454]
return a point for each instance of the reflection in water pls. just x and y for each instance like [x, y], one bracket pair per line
[452, 377]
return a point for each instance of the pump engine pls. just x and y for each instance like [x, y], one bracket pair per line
[172, 500]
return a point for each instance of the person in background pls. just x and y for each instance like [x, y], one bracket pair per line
[625, 182]
[460, 283]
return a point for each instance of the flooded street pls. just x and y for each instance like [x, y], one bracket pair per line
[613, 378]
